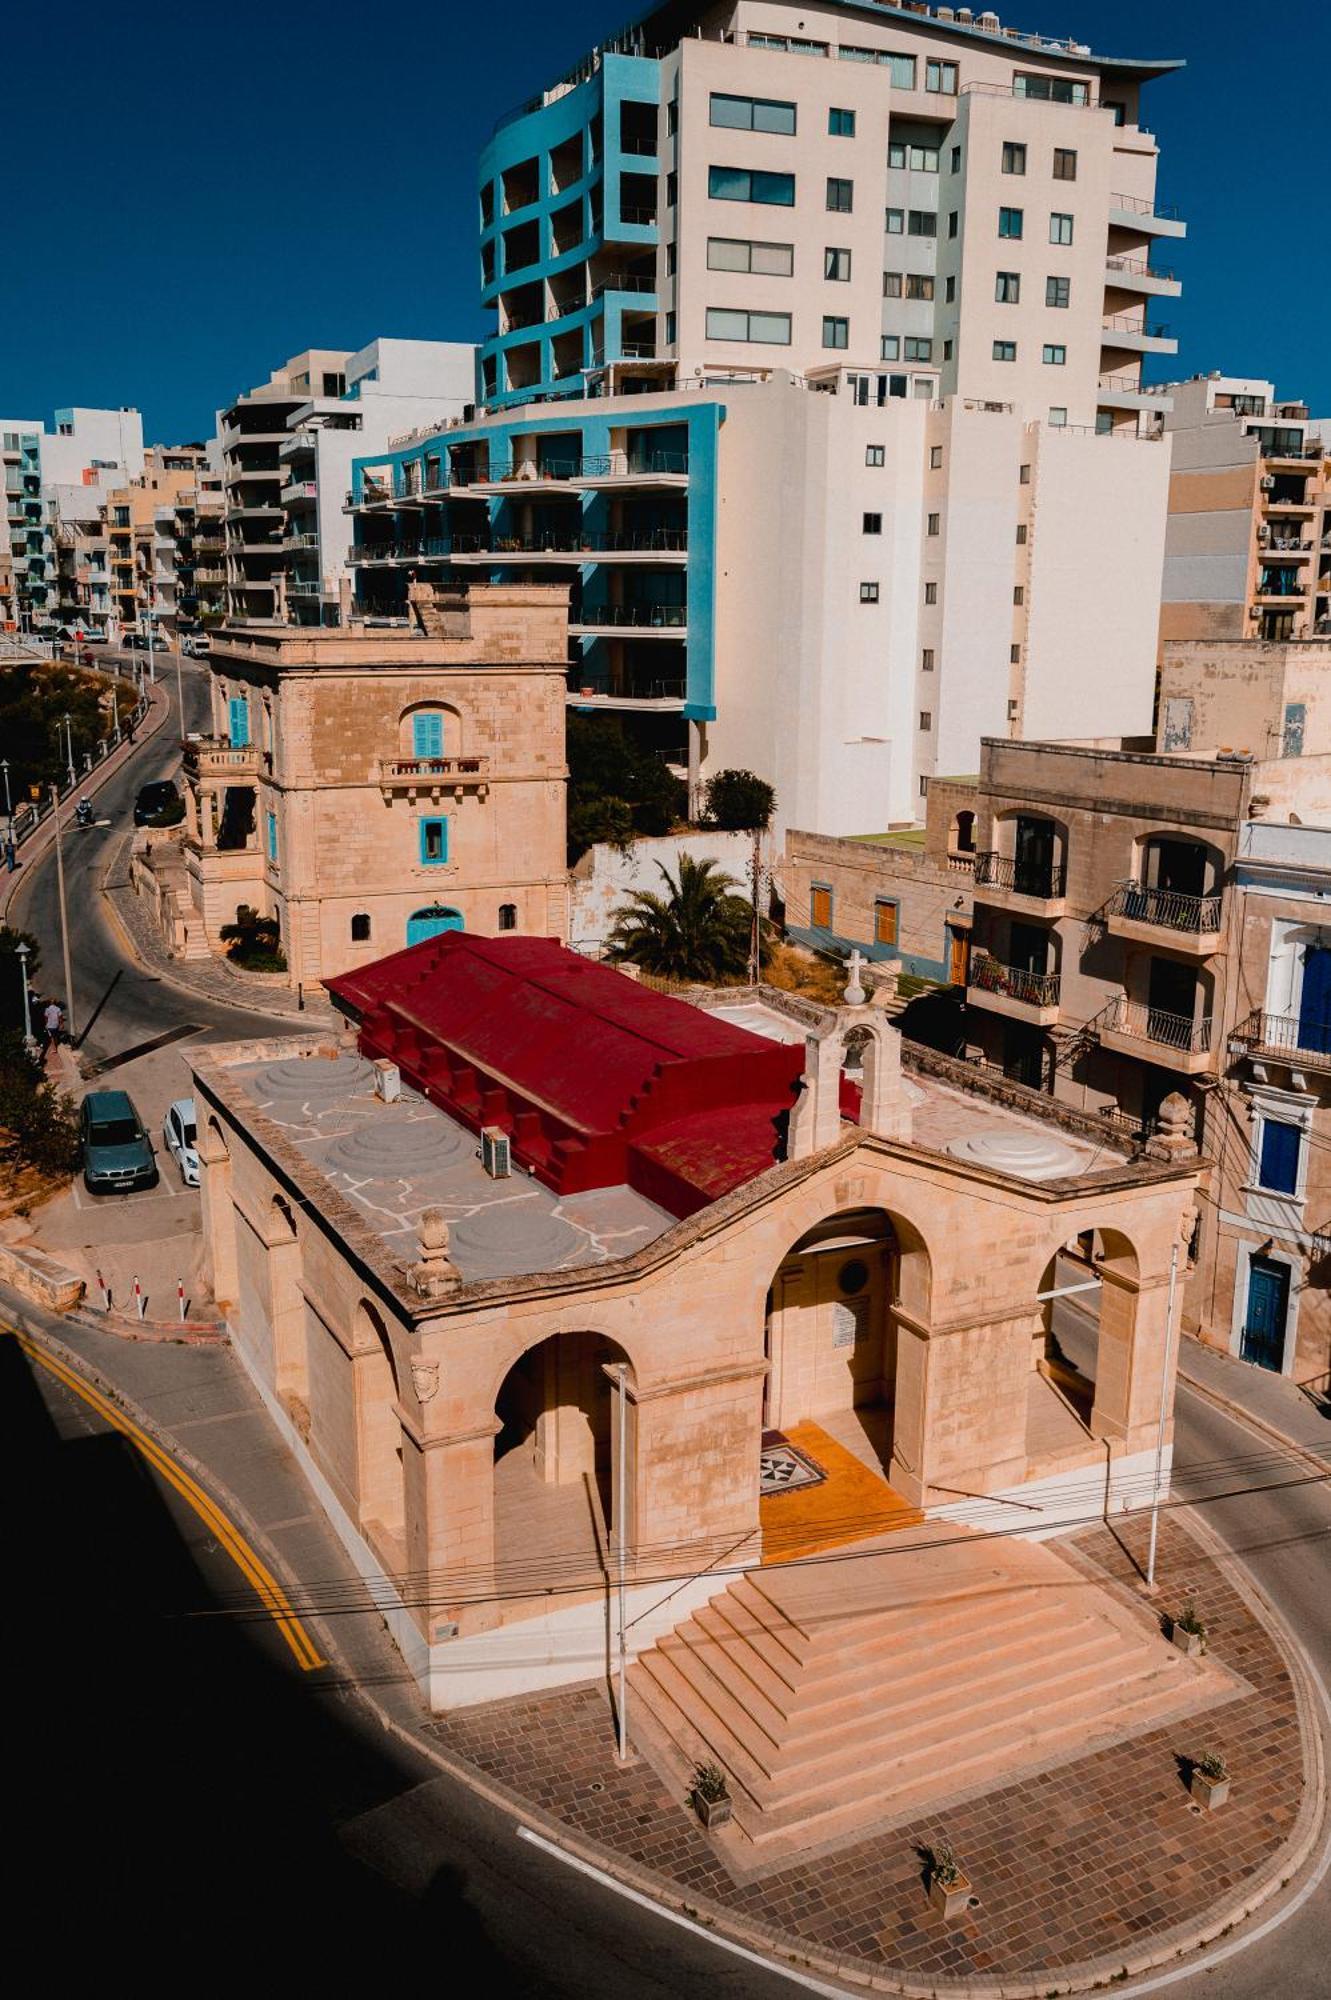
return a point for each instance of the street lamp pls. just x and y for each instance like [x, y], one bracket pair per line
[29, 1039]
[9, 803]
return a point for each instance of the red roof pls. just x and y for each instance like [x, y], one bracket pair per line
[597, 1079]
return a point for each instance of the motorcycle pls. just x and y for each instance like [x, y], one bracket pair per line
[83, 813]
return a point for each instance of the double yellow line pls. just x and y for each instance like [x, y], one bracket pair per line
[251, 1566]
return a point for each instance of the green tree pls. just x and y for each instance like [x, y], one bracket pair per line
[38, 1124]
[699, 929]
[740, 802]
[615, 789]
[11, 977]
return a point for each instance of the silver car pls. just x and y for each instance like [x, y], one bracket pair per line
[182, 1139]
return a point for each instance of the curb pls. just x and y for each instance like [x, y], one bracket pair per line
[1242, 1414]
[163, 1332]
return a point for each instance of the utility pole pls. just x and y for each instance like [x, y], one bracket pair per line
[1164, 1418]
[64, 919]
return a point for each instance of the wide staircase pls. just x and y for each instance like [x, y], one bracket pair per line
[840, 1694]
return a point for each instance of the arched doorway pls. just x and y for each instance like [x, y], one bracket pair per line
[431, 920]
[556, 1456]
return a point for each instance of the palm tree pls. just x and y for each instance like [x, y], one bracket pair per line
[698, 930]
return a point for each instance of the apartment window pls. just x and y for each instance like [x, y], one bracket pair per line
[766, 328]
[272, 835]
[508, 916]
[1065, 164]
[836, 331]
[950, 291]
[671, 329]
[360, 928]
[902, 68]
[733, 253]
[840, 123]
[924, 788]
[1012, 711]
[1019, 594]
[941, 78]
[672, 189]
[868, 593]
[927, 660]
[919, 286]
[427, 733]
[1058, 417]
[746, 184]
[1058, 291]
[873, 524]
[1056, 89]
[1024, 476]
[919, 159]
[895, 222]
[1005, 350]
[918, 350]
[820, 907]
[836, 265]
[922, 222]
[335, 385]
[926, 719]
[1022, 532]
[672, 117]
[1010, 222]
[1007, 287]
[931, 593]
[433, 842]
[1060, 229]
[875, 454]
[1014, 654]
[956, 159]
[1014, 158]
[1278, 1156]
[952, 222]
[889, 347]
[752, 114]
[892, 284]
[884, 923]
[840, 195]
[935, 524]
[1054, 355]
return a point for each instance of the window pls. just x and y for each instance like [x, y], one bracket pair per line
[884, 923]
[922, 222]
[1019, 594]
[672, 258]
[508, 916]
[840, 195]
[671, 330]
[875, 454]
[919, 287]
[896, 153]
[1007, 287]
[931, 593]
[941, 78]
[1022, 532]
[840, 124]
[836, 265]
[889, 347]
[935, 524]
[956, 159]
[238, 718]
[868, 593]
[896, 222]
[767, 329]
[1058, 417]
[892, 284]
[926, 719]
[1056, 89]
[434, 842]
[950, 290]
[1014, 654]
[1012, 708]
[927, 660]
[1058, 291]
[672, 189]
[272, 836]
[746, 184]
[1010, 222]
[1054, 355]
[360, 928]
[917, 349]
[935, 457]
[1024, 476]
[952, 222]
[924, 788]
[1060, 229]
[1014, 158]
[1005, 350]
[919, 159]
[1065, 164]
[752, 114]
[1278, 1159]
[836, 331]
[732, 253]
[672, 117]
[820, 907]
[427, 734]
[901, 67]
[873, 524]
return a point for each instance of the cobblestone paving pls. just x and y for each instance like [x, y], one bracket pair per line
[1077, 1863]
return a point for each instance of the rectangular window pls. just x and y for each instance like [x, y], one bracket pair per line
[836, 265]
[1005, 350]
[1065, 164]
[732, 253]
[1024, 476]
[931, 593]
[1007, 288]
[1055, 355]
[768, 329]
[918, 350]
[941, 78]
[836, 331]
[1060, 229]
[896, 153]
[747, 184]
[238, 718]
[434, 842]
[892, 284]
[927, 660]
[1019, 594]
[1010, 222]
[1012, 708]
[868, 593]
[1058, 291]
[427, 735]
[901, 67]
[1278, 1167]
[919, 287]
[926, 719]
[840, 195]
[873, 524]
[1058, 417]
[840, 124]
[875, 454]
[820, 908]
[956, 159]
[1021, 534]
[672, 189]
[934, 525]
[950, 291]
[1014, 158]
[1014, 654]
[895, 222]
[889, 347]
[752, 114]
[935, 457]
[1054, 89]
[953, 221]
[922, 222]
[884, 923]
[272, 836]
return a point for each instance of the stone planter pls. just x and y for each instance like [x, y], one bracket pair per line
[1191, 1643]
[712, 1812]
[949, 1898]
[1209, 1792]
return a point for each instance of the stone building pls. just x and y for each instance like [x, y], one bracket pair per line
[689, 1265]
[368, 788]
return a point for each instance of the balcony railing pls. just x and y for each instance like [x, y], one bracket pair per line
[426, 770]
[1153, 1024]
[1166, 908]
[1024, 878]
[1033, 989]
[1125, 323]
[422, 547]
[1136, 206]
[1305, 1043]
[210, 756]
[1136, 267]
[637, 615]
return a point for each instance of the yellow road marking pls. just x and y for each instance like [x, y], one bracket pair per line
[251, 1566]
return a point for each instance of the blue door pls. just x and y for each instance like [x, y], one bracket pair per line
[1264, 1323]
[1315, 1005]
[428, 923]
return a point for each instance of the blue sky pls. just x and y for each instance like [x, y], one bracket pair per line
[195, 193]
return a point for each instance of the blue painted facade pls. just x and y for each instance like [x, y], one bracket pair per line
[587, 142]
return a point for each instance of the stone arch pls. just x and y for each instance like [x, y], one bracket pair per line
[1176, 862]
[961, 834]
[380, 1442]
[1086, 1343]
[441, 737]
[1029, 854]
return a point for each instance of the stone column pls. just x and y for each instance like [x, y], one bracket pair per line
[460, 1528]
[219, 1216]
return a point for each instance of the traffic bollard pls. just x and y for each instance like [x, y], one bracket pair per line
[139, 1299]
[180, 1299]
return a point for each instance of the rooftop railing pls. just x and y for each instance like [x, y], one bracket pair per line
[1137, 267]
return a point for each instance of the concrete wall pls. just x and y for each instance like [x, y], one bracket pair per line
[604, 877]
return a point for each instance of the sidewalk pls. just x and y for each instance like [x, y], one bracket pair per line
[1271, 1402]
[1098, 1865]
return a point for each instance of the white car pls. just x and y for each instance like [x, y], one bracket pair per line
[181, 1136]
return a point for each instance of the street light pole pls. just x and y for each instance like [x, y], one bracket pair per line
[29, 1039]
[9, 803]
[64, 918]
[1164, 1418]
[68, 722]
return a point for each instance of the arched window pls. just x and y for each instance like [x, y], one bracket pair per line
[963, 833]
[360, 928]
[508, 916]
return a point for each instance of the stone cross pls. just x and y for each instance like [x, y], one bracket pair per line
[855, 995]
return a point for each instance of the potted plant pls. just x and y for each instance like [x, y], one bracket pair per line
[1208, 1780]
[949, 1889]
[1187, 1630]
[710, 1794]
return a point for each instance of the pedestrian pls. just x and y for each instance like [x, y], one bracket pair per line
[53, 1018]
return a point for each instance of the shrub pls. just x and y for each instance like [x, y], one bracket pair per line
[38, 1124]
[709, 1783]
[739, 802]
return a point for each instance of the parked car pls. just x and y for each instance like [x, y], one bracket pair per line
[159, 804]
[195, 646]
[135, 642]
[182, 1139]
[117, 1152]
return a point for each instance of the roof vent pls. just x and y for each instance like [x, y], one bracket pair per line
[965, 14]
[990, 21]
[943, 13]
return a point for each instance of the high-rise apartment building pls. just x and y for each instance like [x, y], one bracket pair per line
[60, 477]
[252, 431]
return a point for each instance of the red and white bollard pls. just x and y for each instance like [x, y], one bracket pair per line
[180, 1299]
[139, 1300]
[105, 1291]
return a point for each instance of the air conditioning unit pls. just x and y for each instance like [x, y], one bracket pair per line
[387, 1080]
[496, 1155]
[1268, 481]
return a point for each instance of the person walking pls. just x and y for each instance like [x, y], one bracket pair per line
[53, 1019]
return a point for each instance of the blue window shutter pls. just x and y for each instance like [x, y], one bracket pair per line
[1279, 1169]
[240, 721]
[427, 735]
[272, 836]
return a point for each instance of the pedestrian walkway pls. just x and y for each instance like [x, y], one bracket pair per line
[1303, 1416]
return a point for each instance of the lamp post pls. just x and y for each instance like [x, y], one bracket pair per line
[68, 722]
[29, 1039]
[9, 803]
[64, 919]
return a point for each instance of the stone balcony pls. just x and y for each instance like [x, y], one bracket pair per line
[1174, 1041]
[1165, 918]
[431, 777]
[1025, 888]
[210, 757]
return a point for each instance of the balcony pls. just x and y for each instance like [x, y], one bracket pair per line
[431, 777]
[1133, 336]
[1282, 1038]
[1174, 1041]
[661, 471]
[652, 545]
[1132, 274]
[1129, 211]
[635, 695]
[1011, 990]
[425, 548]
[211, 757]
[1021, 886]
[1164, 917]
[647, 621]
[1126, 392]
[299, 489]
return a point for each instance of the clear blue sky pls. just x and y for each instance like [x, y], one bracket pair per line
[196, 192]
